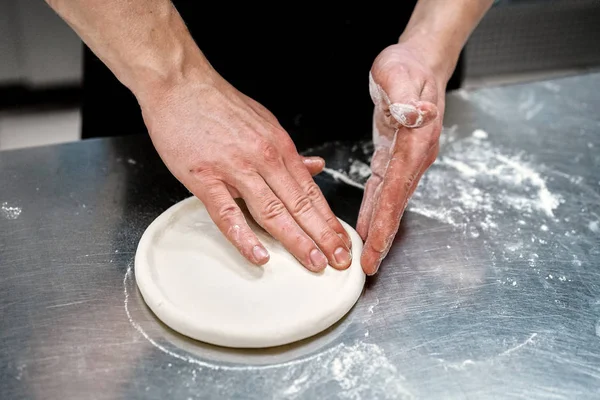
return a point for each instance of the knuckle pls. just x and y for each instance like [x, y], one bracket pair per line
[302, 206]
[313, 191]
[333, 222]
[328, 236]
[339, 229]
[229, 213]
[288, 146]
[379, 246]
[244, 165]
[410, 181]
[201, 170]
[269, 153]
[272, 209]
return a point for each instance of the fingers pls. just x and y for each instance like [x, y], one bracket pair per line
[271, 213]
[230, 220]
[383, 138]
[314, 165]
[406, 102]
[415, 114]
[411, 156]
[312, 190]
[379, 164]
[300, 206]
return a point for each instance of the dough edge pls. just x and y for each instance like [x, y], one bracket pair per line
[178, 321]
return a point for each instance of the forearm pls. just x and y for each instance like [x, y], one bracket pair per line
[441, 28]
[145, 43]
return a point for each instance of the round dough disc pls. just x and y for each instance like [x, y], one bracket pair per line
[197, 283]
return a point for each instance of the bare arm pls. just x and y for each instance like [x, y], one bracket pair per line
[217, 141]
[143, 42]
[442, 28]
[408, 83]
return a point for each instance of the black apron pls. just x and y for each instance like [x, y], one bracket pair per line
[308, 66]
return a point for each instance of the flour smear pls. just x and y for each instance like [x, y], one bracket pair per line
[474, 185]
[360, 370]
[10, 212]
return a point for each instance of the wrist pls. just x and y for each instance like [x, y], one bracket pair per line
[439, 56]
[158, 76]
[165, 56]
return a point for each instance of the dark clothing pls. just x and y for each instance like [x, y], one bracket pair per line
[309, 67]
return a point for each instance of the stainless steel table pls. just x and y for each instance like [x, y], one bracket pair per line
[491, 290]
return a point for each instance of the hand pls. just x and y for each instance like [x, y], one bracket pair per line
[223, 145]
[409, 106]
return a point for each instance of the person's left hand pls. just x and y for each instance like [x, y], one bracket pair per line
[409, 104]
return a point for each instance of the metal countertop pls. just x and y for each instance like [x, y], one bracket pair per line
[491, 290]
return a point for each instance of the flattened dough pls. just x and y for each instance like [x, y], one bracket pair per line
[198, 284]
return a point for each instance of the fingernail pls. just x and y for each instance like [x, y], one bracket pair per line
[318, 259]
[407, 115]
[346, 240]
[342, 256]
[260, 254]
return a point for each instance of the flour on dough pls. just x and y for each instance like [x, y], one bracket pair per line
[198, 284]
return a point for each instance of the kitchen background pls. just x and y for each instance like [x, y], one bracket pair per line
[41, 74]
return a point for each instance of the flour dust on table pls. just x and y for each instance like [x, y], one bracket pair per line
[455, 191]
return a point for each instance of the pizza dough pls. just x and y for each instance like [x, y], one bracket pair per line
[198, 284]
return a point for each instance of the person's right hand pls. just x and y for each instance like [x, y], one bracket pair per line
[222, 145]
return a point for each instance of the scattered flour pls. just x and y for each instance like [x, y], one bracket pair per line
[343, 177]
[360, 370]
[455, 190]
[480, 134]
[520, 345]
[485, 190]
[10, 212]
[359, 171]
[460, 166]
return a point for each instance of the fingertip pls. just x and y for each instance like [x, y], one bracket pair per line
[315, 165]
[428, 110]
[340, 268]
[406, 115]
[261, 255]
[313, 160]
[414, 115]
[315, 268]
[372, 272]
[371, 258]
[342, 258]
[369, 263]
[317, 261]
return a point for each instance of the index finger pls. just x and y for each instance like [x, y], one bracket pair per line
[411, 155]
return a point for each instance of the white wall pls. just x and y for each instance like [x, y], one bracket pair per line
[41, 49]
[9, 62]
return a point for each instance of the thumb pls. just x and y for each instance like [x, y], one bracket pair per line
[406, 103]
